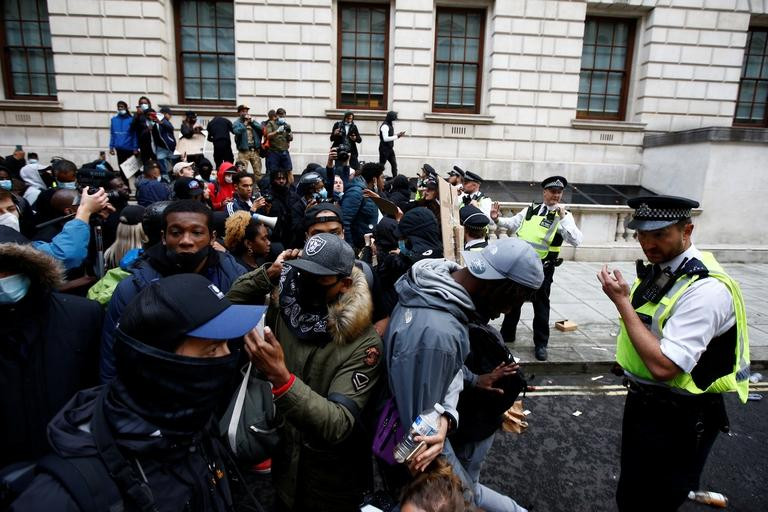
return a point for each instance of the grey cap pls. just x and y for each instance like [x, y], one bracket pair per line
[325, 255]
[508, 258]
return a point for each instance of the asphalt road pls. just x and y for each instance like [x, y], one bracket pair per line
[571, 463]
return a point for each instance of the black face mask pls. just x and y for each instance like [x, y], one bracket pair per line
[177, 394]
[187, 261]
[310, 294]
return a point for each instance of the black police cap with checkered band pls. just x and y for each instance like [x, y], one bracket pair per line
[658, 212]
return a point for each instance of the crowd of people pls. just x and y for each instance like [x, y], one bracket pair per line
[239, 319]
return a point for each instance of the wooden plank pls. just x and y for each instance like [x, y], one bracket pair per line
[449, 218]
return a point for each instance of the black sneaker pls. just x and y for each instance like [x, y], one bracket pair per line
[540, 353]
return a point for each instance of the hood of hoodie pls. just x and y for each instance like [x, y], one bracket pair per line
[44, 271]
[222, 171]
[420, 227]
[429, 284]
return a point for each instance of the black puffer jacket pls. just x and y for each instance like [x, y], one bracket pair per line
[49, 346]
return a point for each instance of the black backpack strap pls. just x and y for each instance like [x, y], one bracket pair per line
[86, 480]
[122, 472]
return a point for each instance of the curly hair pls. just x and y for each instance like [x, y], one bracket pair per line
[239, 228]
[436, 490]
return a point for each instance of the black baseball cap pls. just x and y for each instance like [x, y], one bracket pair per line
[187, 188]
[311, 218]
[325, 255]
[181, 305]
[132, 214]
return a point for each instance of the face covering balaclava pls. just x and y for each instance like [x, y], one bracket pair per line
[13, 288]
[10, 220]
[187, 261]
[177, 394]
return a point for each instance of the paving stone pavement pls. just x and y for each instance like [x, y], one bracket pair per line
[577, 296]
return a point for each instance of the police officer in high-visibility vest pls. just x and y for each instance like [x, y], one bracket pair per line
[545, 226]
[473, 195]
[683, 342]
[475, 225]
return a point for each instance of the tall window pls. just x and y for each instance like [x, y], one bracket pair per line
[27, 55]
[605, 67]
[205, 41]
[363, 50]
[753, 88]
[458, 56]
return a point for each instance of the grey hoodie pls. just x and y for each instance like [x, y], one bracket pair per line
[427, 339]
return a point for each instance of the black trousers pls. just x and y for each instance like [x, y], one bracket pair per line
[665, 441]
[387, 154]
[222, 152]
[540, 314]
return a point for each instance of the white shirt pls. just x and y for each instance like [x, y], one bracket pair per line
[566, 227]
[479, 200]
[385, 134]
[703, 311]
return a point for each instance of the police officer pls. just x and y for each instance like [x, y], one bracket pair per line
[475, 228]
[545, 226]
[683, 342]
[456, 179]
[472, 194]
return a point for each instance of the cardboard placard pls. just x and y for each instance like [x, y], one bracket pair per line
[449, 218]
[131, 166]
[386, 206]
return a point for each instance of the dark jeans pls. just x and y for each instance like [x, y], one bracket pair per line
[279, 161]
[665, 441]
[387, 154]
[540, 314]
[222, 152]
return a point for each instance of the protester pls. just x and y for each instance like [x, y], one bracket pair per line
[387, 138]
[31, 174]
[346, 132]
[245, 197]
[309, 190]
[247, 240]
[122, 136]
[50, 345]
[322, 358]
[278, 133]
[436, 490]
[224, 187]
[360, 213]
[188, 188]
[400, 191]
[282, 199]
[219, 131]
[129, 236]
[248, 135]
[427, 339]
[145, 441]
[150, 188]
[187, 240]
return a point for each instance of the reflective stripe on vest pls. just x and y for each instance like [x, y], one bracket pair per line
[737, 380]
[539, 237]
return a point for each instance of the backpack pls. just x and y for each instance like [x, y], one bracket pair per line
[249, 426]
[481, 411]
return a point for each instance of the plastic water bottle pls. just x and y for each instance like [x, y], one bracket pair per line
[714, 499]
[426, 424]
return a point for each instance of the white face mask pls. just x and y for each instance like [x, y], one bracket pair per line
[144, 107]
[68, 185]
[6, 184]
[122, 112]
[227, 179]
[32, 161]
[10, 220]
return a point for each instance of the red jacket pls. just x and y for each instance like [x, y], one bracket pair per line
[223, 190]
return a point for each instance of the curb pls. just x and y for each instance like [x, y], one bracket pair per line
[594, 367]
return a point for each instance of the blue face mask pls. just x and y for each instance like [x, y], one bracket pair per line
[280, 121]
[402, 247]
[13, 288]
[323, 193]
[68, 185]
[6, 184]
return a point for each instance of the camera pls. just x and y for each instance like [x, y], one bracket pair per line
[94, 177]
[342, 152]
[112, 195]
[267, 197]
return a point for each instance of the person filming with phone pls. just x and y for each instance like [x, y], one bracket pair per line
[387, 138]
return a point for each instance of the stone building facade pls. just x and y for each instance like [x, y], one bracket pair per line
[520, 106]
